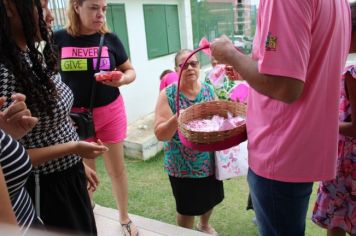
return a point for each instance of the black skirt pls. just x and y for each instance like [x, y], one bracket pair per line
[64, 201]
[196, 196]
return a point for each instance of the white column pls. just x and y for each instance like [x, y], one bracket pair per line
[186, 25]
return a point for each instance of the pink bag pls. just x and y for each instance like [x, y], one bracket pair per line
[231, 162]
[239, 93]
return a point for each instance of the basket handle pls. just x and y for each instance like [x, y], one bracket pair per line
[181, 71]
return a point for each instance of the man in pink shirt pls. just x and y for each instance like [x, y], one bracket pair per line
[299, 51]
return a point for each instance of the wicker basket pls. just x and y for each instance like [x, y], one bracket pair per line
[215, 140]
[207, 110]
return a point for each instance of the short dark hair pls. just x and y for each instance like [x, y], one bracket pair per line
[164, 73]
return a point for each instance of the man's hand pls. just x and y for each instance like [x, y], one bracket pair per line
[223, 49]
[231, 73]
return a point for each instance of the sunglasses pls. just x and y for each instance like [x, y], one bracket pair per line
[193, 64]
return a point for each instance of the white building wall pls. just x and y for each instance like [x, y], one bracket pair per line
[141, 95]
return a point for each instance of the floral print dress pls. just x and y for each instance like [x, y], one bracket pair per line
[336, 201]
[181, 161]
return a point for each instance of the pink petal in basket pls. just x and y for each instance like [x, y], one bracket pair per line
[203, 43]
[239, 93]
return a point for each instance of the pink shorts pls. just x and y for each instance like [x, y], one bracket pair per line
[110, 122]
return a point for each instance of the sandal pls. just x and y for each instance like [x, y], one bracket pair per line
[128, 228]
[207, 229]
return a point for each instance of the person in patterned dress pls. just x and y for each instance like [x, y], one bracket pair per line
[191, 173]
[335, 207]
[57, 184]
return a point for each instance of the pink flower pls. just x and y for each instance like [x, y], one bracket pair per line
[205, 43]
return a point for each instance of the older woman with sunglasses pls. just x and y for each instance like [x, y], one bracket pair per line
[191, 173]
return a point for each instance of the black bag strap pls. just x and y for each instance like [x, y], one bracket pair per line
[97, 69]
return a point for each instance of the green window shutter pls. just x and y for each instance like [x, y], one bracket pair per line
[156, 30]
[173, 28]
[109, 16]
[116, 19]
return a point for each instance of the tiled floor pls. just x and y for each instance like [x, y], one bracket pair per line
[108, 225]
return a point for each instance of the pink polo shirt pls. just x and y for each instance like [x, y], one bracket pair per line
[307, 40]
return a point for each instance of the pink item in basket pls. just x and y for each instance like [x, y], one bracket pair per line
[237, 120]
[216, 123]
[200, 125]
[227, 124]
[239, 93]
[205, 125]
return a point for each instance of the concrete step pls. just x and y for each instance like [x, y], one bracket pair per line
[108, 225]
[141, 143]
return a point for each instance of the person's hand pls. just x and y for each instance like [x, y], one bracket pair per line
[231, 73]
[117, 79]
[90, 150]
[222, 49]
[16, 119]
[92, 178]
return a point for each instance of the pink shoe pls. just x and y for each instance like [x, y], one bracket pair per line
[207, 229]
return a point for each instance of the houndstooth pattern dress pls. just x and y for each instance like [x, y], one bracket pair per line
[50, 130]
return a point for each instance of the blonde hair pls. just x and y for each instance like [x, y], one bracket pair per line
[73, 20]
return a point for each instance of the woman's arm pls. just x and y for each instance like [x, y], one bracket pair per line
[84, 149]
[166, 123]
[129, 73]
[349, 128]
[7, 215]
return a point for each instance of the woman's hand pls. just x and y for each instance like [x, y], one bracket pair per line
[92, 178]
[122, 75]
[117, 79]
[16, 119]
[90, 150]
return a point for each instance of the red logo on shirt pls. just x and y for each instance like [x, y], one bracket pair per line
[271, 42]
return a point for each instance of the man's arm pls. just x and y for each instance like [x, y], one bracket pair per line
[284, 89]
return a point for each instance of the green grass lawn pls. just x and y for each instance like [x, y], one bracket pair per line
[150, 196]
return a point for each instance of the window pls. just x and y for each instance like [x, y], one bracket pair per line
[116, 19]
[240, 29]
[162, 30]
[210, 19]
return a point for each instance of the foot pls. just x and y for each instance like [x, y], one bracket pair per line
[207, 229]
[129, 229]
